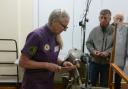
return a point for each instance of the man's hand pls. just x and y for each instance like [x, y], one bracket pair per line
[100, 54]
[69, 65]
[104, 54]
[96, 53]
[53, 67]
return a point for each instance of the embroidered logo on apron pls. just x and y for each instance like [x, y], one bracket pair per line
[32, 50]
[46, 47]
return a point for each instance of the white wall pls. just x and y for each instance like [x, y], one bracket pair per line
[25, 19]
[8, 19]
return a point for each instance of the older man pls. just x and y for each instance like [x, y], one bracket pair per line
[121, 46]
[99, 44]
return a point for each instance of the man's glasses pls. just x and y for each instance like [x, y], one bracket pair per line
[65, 27]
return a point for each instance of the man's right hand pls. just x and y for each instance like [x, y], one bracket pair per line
[96, 53]
[53, 67]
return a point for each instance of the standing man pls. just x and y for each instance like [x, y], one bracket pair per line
[39, 56]
[121, 46]
[99, 45]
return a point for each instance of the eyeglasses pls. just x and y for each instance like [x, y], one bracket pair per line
[65, 27]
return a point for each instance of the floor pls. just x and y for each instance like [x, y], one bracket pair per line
[7, 87]
[57, 86]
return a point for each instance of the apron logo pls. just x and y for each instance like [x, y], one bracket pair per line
[46, 47]
[32, 50]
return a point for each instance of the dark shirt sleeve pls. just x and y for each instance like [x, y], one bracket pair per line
[31, 46]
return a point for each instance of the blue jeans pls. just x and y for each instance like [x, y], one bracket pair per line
[99, 71]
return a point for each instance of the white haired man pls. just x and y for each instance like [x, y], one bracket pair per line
[121, 46]
[39, 56]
